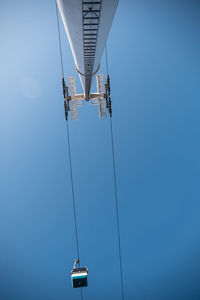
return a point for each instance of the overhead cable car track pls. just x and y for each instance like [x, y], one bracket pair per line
[69, 150]
[115, 188]
[108, 100]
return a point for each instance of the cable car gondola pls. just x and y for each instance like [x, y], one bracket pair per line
[79, 276]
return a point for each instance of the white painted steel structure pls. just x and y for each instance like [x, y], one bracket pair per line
[87, 24]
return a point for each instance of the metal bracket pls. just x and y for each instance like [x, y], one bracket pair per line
[75, 262]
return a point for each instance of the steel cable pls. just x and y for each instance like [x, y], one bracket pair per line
[59, 38]
[73, 195]
[69, 151]
[117, 209]
[106, 59]
[73, 198]
[116, 194]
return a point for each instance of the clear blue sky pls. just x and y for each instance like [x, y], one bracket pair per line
[154, 62]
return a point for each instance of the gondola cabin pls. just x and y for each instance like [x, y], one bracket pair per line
[79, 277]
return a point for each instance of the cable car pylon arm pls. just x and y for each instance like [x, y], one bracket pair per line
[101, 97]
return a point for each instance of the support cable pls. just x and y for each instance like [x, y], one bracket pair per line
[60, 46]
[106, 59]
[73, 198]
[117, 208]
[115, 189]
[69, 148]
